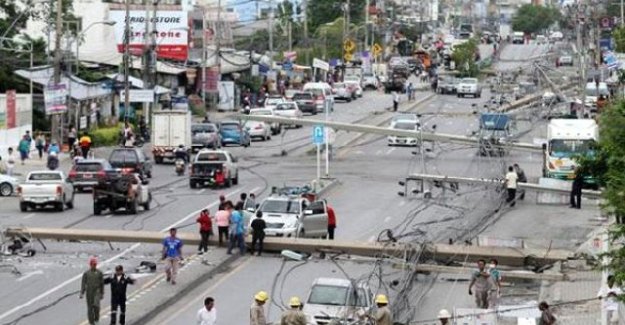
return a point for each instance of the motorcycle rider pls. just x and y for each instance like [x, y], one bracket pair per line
[181, 153]
[53, 161]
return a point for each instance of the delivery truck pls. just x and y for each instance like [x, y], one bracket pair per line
[170, 129]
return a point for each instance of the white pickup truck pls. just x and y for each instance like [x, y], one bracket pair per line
[46, 188]
[469, 86]
[209, 164]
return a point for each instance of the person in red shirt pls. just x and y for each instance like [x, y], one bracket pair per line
[331, 221]
[206, 229]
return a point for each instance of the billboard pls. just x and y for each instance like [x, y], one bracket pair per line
[55, 98]
[171, 32]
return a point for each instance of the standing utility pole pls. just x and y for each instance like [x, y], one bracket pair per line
[290, 37]
[56, 119]
[271, 16]
[305, 4]
[204, 57]
[366, 25]
[126, 62]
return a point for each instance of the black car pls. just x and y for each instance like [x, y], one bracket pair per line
[131, 160]
[306, 102]
[87, 173]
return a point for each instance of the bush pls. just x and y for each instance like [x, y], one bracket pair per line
[106, 136]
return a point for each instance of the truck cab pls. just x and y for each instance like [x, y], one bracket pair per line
[567, 138]
[294, 216]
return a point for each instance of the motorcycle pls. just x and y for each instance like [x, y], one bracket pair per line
[179, 166]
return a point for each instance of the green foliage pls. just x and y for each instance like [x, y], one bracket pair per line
[321, 12]
[619, 38]
[531, 18]
[106, 136]
[464, 57]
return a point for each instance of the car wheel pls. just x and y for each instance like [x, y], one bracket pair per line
[70, 204]
[192, 184]
[23, 207]
[158, 160]
[61, 206]
[268, 137]
[229, 182]
[236, 180]
[301, 233]
[6, 189]
[97, 210]
[459, 95]
[132, 208]
[149, 174]
[146, 205]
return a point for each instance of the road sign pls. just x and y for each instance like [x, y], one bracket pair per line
[318, 134]
[349, 45]
[348, 57]
[377, 49]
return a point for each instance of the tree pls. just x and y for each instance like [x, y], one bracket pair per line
[464, 58]
[619, 39]
[534, 18]
[325, 11]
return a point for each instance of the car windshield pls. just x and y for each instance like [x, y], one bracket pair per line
[302, 96]
[592, 92]
[274, 100]
[211, 156]
[260, 112]
[230, 127]
[45, 177]
[328, 295]
[280, 206]
[203, 128]
[123, 156]
[469, 81]
[285, 107]
[339, 85]
[405, 126]
[570, 148]
[89, 167]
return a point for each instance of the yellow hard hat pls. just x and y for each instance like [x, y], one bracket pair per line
[261, 296]
[381, 299]
[294, 302]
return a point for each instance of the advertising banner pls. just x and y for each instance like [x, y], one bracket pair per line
[226, 96]
[171, 32]
[11, 109]
[55, 98]
[212, 79]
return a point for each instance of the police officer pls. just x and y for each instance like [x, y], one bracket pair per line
[293, 316]
[119, 282]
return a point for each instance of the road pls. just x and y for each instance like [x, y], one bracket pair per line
[366, 202]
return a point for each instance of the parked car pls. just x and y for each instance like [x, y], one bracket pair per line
[294, 216]
[8, 185]
[276, 128]
[204, 135]
[46, 188]
[323, 95]
[341, 91]
[131, 160]
[232, 132]
[87, 172]
[355, 88]
[336, 299]
[258, 129]
[306, 102]
[289, 109]
[207, 164]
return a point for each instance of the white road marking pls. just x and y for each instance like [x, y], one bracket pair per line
[124, 252]
[390, 150]
[28, 216]
[387, 219]
[29, 274]
[201, 191]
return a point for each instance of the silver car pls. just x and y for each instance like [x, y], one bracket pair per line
[258, 129]
[336, 299]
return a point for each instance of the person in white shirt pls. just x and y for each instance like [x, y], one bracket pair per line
[511, 184]
[208, 314]
[10, 164]
[608, 295]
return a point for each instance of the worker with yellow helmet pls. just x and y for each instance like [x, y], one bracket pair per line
[293, 316]
[383, 315]
[257, 311]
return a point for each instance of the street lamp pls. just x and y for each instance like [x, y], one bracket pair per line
[69, 66]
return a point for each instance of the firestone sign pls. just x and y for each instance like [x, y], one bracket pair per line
[171, 32]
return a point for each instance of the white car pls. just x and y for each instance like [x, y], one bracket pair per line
[323, 95]
[273, 100]
[341, 91]
[337, 299]
[8, 185]
[45, 188]
[394, 140]
[355, 85]
[369, 80]
[469, 86]
[406, 117]
[288, 109]
[258, 129]
[276, 128]
[294, 216]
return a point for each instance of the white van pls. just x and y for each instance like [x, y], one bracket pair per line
[323, 93]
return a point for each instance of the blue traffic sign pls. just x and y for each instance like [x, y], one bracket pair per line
[318, 134]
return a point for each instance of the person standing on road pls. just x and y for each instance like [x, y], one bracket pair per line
[237, 230]
[172, 254]
[71, 138]
[40, 142]
[92, 285]
[521, 178]
[331, 221]
[250, 202]
[24, 148]
[242, 199]
[222, 218]
[480, 279]
[206, 229]
[546, 316]
[207, 315]
[257, 311]
[609, 296]
[10, 162]
[511, 184]
[293, 316]
[119, 283]
[383, 315]
[395, 101]
[576, 189]
[222, 202]
[495, 286]
[258, 232]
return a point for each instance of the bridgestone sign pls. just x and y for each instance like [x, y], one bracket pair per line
[171, 32]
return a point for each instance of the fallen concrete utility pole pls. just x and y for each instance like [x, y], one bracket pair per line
[426, 136]
[509, 274]
[506, 256]
[453, 181]
[529, 99]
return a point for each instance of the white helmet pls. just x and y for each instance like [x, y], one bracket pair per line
[443, 313]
